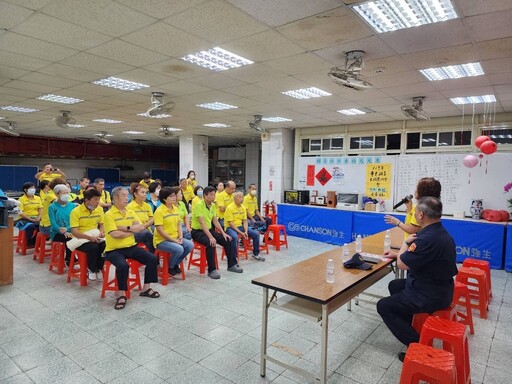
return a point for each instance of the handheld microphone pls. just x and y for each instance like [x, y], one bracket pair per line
[406, 199]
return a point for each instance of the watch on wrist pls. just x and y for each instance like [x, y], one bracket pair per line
[128, 228]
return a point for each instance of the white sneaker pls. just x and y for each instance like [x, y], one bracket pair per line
[91, 276]
[99, 276]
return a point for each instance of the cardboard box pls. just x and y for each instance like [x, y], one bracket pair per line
[369, 207]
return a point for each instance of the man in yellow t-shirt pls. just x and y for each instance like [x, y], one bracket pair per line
[204, 223]
[187, 191]
[254, 217]
[223, 199]
[145, 214]
[105, 200]
[49, 173]
[235, 223]
[120, 226]
[146, 180]
[82, 186]
[86, 222]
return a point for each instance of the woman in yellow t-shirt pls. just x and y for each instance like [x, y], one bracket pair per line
[47, 200]
[145, 214]
[168, 233]
[198, 192]
[31, 209]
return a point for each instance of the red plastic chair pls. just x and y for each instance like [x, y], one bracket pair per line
[112, 285]
[484, 266]
[40, 249]
[476, 281]
[201, 260]
[163, 271]
[276, 230]
[425, 363]
[81, 271]
[58, 254]
[462, 298]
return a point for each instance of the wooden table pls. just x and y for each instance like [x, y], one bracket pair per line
[308, 295]
[6, 254]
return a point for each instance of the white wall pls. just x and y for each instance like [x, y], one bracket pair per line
[194, 156]
[252, 163]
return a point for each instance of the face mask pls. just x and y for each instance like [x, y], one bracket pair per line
[64, 197]
[253, 192]
[90, 208]
[157, 192]
[31, 191]
[200, 193]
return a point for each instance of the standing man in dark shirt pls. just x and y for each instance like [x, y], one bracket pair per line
[429, 256]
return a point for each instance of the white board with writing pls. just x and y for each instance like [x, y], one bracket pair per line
[459, 184]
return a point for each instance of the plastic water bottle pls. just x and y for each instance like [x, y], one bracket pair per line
[329, 273]
[344, 256]
[359, 243]
[387, 241]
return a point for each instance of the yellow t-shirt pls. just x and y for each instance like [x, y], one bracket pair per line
[105, 197]
[48, 176]
[85, 220]
[188, 193]
[48, 199]
[235, 215]
[202, 210]
[410, 219]
[43, 194]
[169, 219]
[251, 203]
[143, 211]
[223, 200]
[146, 184]
[30, 207]
[195, 200]
[113, 218]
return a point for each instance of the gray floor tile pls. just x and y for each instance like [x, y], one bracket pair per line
[139, 375]
[8, 368]
[196, 374]
[249, 373]
[111, 367]
[168, 365]
[92, 354]
[197, 349]
[20, 378]
[223, 362]
[245, 346]
[361, 371]
[54, 370]
[37, 357]
[222, 335]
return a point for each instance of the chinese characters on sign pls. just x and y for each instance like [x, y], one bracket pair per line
[310, 178]
[378, 181]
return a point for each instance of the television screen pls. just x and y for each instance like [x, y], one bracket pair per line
[347, 198]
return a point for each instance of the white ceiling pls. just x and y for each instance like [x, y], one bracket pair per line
[60, 46]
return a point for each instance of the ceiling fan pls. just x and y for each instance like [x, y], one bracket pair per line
[415, 111]
[64, 120]
[166, 133]
[256, 124]
[349, 75]
[103, 137]
[10, 129]
[158, 106]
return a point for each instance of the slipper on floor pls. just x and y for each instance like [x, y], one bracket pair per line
[119, 304]
[150, 293]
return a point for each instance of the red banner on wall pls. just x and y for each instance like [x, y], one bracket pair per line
[310, 179]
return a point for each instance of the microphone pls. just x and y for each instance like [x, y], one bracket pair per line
[406, 199]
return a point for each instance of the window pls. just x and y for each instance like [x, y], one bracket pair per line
[371, 142]
[417, 140]
[312, 145]
[500, 136]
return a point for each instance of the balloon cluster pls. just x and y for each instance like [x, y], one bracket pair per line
[486, 145]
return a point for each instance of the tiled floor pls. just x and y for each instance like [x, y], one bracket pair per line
[205, 331]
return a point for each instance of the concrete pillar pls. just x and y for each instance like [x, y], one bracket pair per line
[194, 156]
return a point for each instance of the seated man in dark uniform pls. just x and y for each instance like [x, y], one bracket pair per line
[429, 256]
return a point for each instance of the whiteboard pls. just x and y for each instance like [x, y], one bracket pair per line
[459, 185]
[351, 174]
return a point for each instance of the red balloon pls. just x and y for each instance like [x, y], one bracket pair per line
[494, 216]
[481, 139]
[505, 216]
[485, 214]
[488, 147]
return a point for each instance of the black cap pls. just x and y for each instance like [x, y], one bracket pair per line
[357, 262]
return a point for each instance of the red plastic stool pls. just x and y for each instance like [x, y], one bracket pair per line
[484, 266]
[81, 272]
[40, 247]
[276, 241]
[133, 278]
[455, 339]
[273, 217]
[249, 247]
[242, 251]
[163, 271]
[21, 243]
[462, 298]
[423, 362]
[201, 260]
[476, 281]
[449, 313]
[57, 257]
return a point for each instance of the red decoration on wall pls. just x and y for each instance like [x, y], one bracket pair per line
[310, 176]
[323, 176]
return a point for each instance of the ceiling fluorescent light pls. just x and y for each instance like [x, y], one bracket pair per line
[276, 119]
[306, 93]
[59, 99]
[390, 15]
[217, 59]
[216, 106]
[453, 71]
[108, 121]
[18, 109]
[145, 114]
[134, 132]
[216, 125]
[473, 99]
[125, 85]
[351, 112]
[76, 125]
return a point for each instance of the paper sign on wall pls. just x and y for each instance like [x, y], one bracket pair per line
[378, 181]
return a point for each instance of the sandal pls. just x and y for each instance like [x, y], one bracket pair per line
[120, 304]
[150, 293]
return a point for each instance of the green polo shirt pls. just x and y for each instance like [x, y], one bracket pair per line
[201, 210]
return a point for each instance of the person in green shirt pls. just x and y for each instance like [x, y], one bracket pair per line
[204, 223]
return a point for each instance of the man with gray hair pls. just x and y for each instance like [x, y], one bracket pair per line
[120, 226]
[429, 257]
